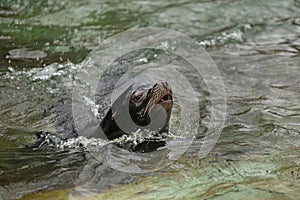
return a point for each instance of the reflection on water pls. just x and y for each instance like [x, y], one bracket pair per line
[256, 47]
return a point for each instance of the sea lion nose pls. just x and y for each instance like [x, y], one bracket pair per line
[165, 84]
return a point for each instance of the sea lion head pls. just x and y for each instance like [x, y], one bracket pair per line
[142, 101]
[144, 98]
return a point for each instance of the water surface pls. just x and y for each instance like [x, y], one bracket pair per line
[255, 45]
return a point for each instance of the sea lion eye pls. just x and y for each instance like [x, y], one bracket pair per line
[138, 97]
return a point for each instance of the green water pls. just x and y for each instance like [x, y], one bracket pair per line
[256, 46]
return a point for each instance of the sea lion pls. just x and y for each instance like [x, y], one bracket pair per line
[140, 103]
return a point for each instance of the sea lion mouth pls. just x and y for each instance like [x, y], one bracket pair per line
[161, 93]
[164, 99]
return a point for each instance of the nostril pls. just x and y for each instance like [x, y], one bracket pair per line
[165, 84]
